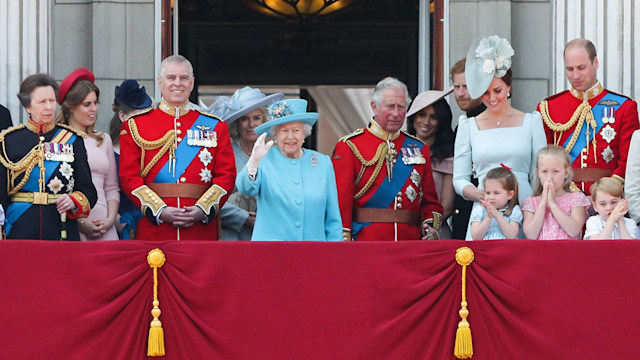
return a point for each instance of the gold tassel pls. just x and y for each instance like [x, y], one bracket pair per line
[464, 347]
[156, 259]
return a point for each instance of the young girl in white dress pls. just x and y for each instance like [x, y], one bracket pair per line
[609, 202]
[499, 217]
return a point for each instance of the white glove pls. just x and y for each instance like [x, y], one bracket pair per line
[260, 149]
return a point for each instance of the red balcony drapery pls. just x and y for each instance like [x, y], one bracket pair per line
[241, 300]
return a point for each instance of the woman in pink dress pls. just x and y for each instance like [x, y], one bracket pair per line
[79, 96]
[430, 121]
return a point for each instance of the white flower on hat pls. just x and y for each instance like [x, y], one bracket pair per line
[497, 53]
[488, 66]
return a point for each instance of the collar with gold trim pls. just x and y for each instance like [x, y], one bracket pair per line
[381, 133]
[40, 128]
[594, 91]
[173, 110]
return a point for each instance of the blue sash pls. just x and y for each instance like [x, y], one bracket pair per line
[386, 192]
[16, 209]
[185, 154]
[597, 112]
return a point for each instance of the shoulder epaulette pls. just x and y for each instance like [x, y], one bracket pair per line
[353, 134]
[82, 134]
[556, 95]
[9, 130]
[138, 113]
[208, 114]
[411, 136]
[615, 93]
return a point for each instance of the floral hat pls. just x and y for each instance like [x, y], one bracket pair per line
[287, 111]
[242, 102]
[488, 57]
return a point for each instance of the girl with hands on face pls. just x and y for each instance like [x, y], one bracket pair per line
[554, 212]
[499, 217]
[609, 203]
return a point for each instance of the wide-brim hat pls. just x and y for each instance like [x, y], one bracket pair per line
[130, 93]
[287, 111]
[427, 98]
[242, 102]
[488, 57]
[67, 83]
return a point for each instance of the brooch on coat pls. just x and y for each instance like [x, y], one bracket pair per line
[314, 160]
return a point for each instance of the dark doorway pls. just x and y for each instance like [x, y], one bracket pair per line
[230, 43]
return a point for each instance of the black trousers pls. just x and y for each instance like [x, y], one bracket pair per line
[460, 215]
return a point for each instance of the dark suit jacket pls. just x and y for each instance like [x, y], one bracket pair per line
[5, 118]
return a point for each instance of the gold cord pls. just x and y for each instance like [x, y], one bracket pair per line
[165, 143]
[25, 165]
[377, 159]
[583, 113]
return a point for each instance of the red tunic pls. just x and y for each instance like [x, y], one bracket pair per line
[348, 167]
[560, 109]
[152, 126]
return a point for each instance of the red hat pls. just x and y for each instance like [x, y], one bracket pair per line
[67, 83]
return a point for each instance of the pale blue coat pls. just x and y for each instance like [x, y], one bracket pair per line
[297, 198]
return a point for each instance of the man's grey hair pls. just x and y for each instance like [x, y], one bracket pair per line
[176, 59]
[307, 130]
[387, 83]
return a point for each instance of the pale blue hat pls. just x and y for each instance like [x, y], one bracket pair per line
[242, 102]
[488, 57]
[287, 111]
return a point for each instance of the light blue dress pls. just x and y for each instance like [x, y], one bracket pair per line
[297, 198]
[483, 150]
[494, 232]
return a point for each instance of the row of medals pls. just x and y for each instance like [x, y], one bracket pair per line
[58, 152]
[202, 138]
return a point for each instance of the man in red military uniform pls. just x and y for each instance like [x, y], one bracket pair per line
[593, 124]
[176, 162]
[385, 186]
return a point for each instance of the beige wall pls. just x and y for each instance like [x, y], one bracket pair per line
[113, 39]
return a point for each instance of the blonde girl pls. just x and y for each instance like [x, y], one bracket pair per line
[499, 217]
[554, 212]
[609, 203]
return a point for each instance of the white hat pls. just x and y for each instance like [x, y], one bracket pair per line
[427, 98]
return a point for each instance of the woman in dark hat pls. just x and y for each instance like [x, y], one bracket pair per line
[45, 181]
[429, 119]
[296, 187]
[79, 99]
[130, 99]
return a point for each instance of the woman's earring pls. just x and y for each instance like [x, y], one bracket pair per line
[508, 94]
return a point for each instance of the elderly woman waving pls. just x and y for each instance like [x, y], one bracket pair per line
[296, 187]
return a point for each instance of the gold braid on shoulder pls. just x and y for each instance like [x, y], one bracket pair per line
[165, 143]
[24, 166]
[377, 159]
[80, 133]
[583, 113]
